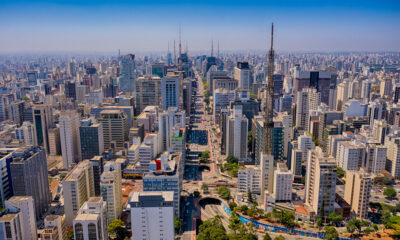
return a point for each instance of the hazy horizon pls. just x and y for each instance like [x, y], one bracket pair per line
[134, 26]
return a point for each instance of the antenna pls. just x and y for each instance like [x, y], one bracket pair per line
[174, 53]
[218, 50]
[186, 50]
[212, 47]
[272, 36]
[180, 48]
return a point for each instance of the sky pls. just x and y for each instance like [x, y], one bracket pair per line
[144, 25]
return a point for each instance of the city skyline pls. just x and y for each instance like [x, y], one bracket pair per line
[106, 26]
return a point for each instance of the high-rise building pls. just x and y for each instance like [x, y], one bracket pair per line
[283, 181]
[27, 133]
[386, 88]
[115, 128]
[54, 228]
[152, 215]
[54, 141]
[111, 190]
[32, 77]
[16, 112]
[320, 182]
[29, 177]
[250, 107]
[148, 93]
[342, 95]
[170, 91]
[221, 100]
[249, 180]
[127, 75]
[393, 156]
[78, 187]
[237, 131]
[90, 221]
[70, 90]
[375, 158]
[307, 99]
[91, 138]
[43, 121]
[158, 69]
[10, 227]
[314, 79]
[357, 192]
[241, 73]
[350, 155]
[98, 168]
[70, 138]
[25, 206]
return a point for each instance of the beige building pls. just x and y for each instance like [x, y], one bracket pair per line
[111, 190]
[54, 228]
[148, 92]
[115, 128]
[320, 182]
[393, 156]
[357, 191]
[90, 222]
[78, 187]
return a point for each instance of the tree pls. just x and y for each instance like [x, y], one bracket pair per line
[390, 193]
[280, 237]
[70, 234]
[232, 205]
[335, 219]
[177, 224]
[26, 98]
[212, 229]
[234, 222]
[331, 233]
[267, 237]
[224, 192]
[196, 194]
[287, 219]
[231, 159]
[340, 172]
[204, 187]
[205, 156]
[375, 227]
[353, 225]
[249, 197]
[268, 216]
[243, 209]
[117, 228]
[251, 212]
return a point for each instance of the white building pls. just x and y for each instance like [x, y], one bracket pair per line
[10, 227]
[170, 91]
[237, 131]
[90, 222]
[25, 207]
[249, 180]
[375, 158]
[308, 99]
[133, 153]
[152, 215]
[111, 190]
[241, 73]
[69, 138]
[350, 155]
[283, 182]
[305, 144]
[26, 132]
[54, 227]
[393, 156]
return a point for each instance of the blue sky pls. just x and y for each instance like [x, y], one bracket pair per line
[139, 26]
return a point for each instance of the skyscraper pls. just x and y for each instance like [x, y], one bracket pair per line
[237, 131]
[115, 128]
[29, 177]
[170, 91]
[43, 121]
[91, 138]
[78, 187]
[357, 192]
[127, 76]
[148, 92]
[70, 138]
[242, 75]
[25, 206]
[90, 221]
[111, 190]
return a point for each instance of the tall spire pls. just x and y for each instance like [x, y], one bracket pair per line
[218, 50]
[212, 47]
[180, 49]
[269, 100]
[174, 53]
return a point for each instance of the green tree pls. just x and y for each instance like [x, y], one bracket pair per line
[177, 224]
[70, 234]
[249, 197]
[335, 219]
[267, 237]
[375, 227]
[224, 192]
[280, 237]
[331, 233]
[26, 98]
[117, 228]
[390, 193]
[196, 194]
[234, 222]
[231, 159]
[204, 187]
[340, 172]
[251, 212]
[243, 209]
[232, 205]
[353, 225]
[212, 229]
[287, 219]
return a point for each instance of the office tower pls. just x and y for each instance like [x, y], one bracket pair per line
[296, 161]
[98, 168]
[10, 227]
[375, 158]
[158, 69]
[223, 82]
[54, 228]
[314, 79]
[379, 130]
[152, 215]
[128, 110]
[307, 99]
[167, 179]
[69, 138]
[237, 132]
[357, 192]
[375, 111]
[165, 125]
[16, 112]
[71, 69]
[326, 118]
[393, 156]
[148, 93]
[386, 88]
[342, 95]
[350, 155]
[115, 128]
[127, 76]
[133, 153]
[70, 90]
[111, 190]
[187, 95]
[305, 144]
[78, 187]
[320, 182]
[27, 133]
[25, 206]
[170, 91]
[29, 177]
[249, 180]
[396, 94]
[54, 141]
[178, 140]
[283, 181]
[250, 107]
[43, 121]
[90, 221]
[91, 138]
[32, 77]
[221, 100]
[241, 73]
[5, 101]
[366, 90]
